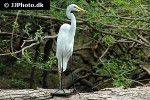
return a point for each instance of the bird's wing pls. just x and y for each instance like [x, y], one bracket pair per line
[64, 46]
[62, 39]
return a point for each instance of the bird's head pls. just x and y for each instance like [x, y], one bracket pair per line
[74, 7]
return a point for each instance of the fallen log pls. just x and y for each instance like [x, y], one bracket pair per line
[120, 93]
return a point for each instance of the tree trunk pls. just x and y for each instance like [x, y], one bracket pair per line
[33, 67]
[47, 49]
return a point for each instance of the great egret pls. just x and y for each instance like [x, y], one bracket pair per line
[65, 40]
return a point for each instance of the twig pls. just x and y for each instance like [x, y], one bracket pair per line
[36, 16]
[123, 41]
[9, 34]
[6, 33]
[33, 44]
[104, 8]
[127, 18]
[104, 53]
[101, 83]
[12, 36]
[116, 35]
[56, 7]
[126, 27]
[24, 41]
[83, 48]
[144, 68]
[136, 81]
[131, 47]
[36, 43]
[142, 38]
[10, 53]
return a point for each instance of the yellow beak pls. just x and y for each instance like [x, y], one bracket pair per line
[81, 9]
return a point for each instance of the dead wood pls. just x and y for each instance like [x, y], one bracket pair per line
[88, 84]
[77, 74]
[79, 77]
[138, 93]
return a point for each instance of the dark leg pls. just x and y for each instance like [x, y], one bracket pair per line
[60, 77]
[61, 88]
[74, 88]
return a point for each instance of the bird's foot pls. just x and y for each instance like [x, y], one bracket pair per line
[75, 90]
[60, 91]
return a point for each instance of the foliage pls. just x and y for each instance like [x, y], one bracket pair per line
[120, 69]
[19, 83]
[2, 67]
[38, 33]
[27, 59]
[27, 29]
[108, 39]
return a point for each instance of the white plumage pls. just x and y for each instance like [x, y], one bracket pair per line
[65, 40]
[64, 46]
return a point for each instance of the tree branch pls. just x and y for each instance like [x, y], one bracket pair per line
[36, 16]
[12, 36]
[31, 45]
[126, 27]
[116, 35]
[128, 18]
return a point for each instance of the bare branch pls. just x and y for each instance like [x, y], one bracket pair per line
[38, 42]
[57, 8]
[25, 41]
[12, 36]
[127, 18]
[104, 53]
[135, 81]
[36, 16]
[116, 35]
[146, 69]
[126, 27]
[104, 8]
[31, 45]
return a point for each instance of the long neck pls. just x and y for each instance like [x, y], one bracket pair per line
[73, 22]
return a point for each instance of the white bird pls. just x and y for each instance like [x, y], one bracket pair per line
[65, 40]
